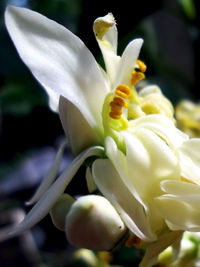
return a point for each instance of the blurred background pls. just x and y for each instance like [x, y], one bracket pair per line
[30, 132]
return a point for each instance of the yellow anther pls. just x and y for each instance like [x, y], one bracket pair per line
[114, 115]
[123, 91]
[119, 102]
[141, 65]
[116, 107]
[137, 76]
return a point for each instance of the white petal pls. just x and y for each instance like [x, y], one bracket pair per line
[155, 248]
[179, 188]
[180, 207]
[190, 160]
[150, 89]
[53, 99]
[163, 127]
[50, 177]
[139, 165]
[119, 161]
[79, 133]
[164, 163]
[111, 185]
[40, 210]
[149, 160]
[59, 60]
[90, 181]
[106, 34]
[128, 62]
[184, 191]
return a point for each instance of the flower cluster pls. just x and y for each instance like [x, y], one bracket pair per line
[146, 168]
[188, 117]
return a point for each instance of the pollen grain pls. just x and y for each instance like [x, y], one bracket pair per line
[141, 65]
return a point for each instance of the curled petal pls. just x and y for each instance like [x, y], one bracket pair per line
[155, 248]
[42, 207]
[90, 181]
[111, 185]
[106, 34]
[190, 160]
[163, 127]
[180, 188]
[128, 62]
[50, 177]
[181, 212]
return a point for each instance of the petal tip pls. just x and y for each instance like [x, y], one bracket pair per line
[102, 25]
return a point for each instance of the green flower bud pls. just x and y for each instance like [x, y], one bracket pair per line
[60, 209]
[93, 223]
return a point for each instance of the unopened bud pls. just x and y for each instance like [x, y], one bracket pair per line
[85, 258]
[60, 210]
[93, 223]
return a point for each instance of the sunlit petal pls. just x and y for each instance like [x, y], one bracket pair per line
[106, 34]
[155, 248]
[59, 60]
[186, 215]
[190, 160]
[79, 133]
[128, 62]
[111, 185]
[41, 209]
[50, 177]
[163, 127]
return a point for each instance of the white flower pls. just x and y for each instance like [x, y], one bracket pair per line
[148, 169]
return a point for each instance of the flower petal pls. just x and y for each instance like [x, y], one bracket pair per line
[78, 131]
[111, 185]
[184, 191]
[119, 161]
[162, 126]
[59, 60]
[179, 188]
[90, 181]
[50, 177]
[128, 62]
[40, 210]
[149, 160]
[155, 248]
[190, 160]
[180, 211]
[106, 34]
[53, 99]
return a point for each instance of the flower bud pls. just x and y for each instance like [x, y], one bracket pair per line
[93, 223]
[60, 209]
[85, 258]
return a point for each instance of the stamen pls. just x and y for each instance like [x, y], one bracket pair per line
[116, 107]
[141, 65]
[123, 91]
[115, 116]
[137, 76]
[119, 102]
